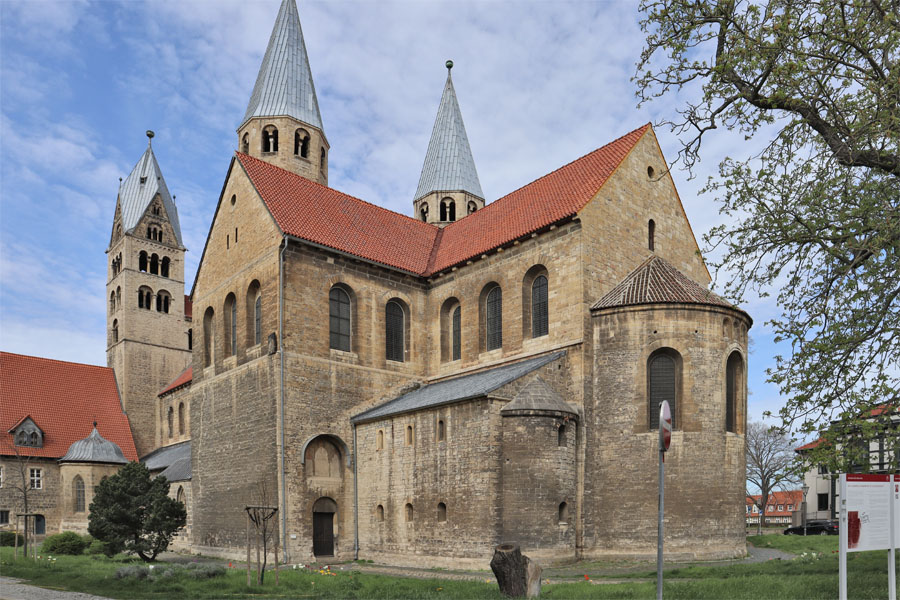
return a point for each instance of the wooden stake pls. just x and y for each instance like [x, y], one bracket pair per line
[277, 537]
[248, 549]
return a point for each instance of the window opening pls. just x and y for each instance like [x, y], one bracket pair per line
[379, 513]
[494, 326]
[142, 262]
[322, 159]
[394, 346]
[164, 269]
[379, 440]
[472, 207]
[457, 333]
[115, 331]
[441, 512]
[563, 512]
[409, 435]
[441, 432]
[245, 144]
[662, 375]
[539, 310]
[339, 319]
[78, 494]
[409, 513]
[181, 418]
[257, 320]
[170, 418]
[561, 439]
[301, 143]
[270, 139]
[154, 265]
[651, 234]
[733, 377]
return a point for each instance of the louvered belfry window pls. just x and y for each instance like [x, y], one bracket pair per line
[339, 318]
[457, 333]
[494, 306]
[662, 386]
[393, 331]
[539, 314]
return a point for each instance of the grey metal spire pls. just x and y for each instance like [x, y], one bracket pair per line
[139, 189]
[449, 165]
[284, 86]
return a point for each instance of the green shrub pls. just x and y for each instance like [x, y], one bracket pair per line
[205, 571]
[8, 538]
[67, 542]
[99, 547]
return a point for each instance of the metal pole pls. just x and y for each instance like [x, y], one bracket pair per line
[659, 525]
[843, 536]
[892, 569]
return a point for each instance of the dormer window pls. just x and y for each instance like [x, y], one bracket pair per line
[143, 179]
[28, 434]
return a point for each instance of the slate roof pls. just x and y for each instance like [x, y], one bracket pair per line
[324, 216]
[180, 470]
[538, 395]
[163, 458]
[183, 379]
[449, 165]
[95, 449]
[284, 85]
[657, 281]
[467, 387]
[135, 196]
[63, 399]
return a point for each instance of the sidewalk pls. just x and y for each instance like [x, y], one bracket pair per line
[12, 589]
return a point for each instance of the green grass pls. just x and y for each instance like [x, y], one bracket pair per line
[812, 576]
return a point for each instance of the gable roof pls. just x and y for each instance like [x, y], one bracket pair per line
[658, 281]
[138, 190]
[284, 85]
[324, 216]
[539, 396]
[63, 399]
[183, 379]
[466, 387]
[784, 498]
[449, 165]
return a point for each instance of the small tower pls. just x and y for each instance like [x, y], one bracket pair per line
[448, 187]
[147, 330]
[282, 124]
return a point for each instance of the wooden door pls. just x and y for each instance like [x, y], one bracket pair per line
[323, 534]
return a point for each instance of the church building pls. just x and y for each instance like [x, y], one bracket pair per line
[416, 389]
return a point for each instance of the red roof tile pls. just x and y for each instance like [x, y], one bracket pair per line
[188, 306]
[325, 216]
[185, 378]
[810, 446]
[790, 498]
[63, 399]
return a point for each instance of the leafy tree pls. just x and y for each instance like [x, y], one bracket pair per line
[770, 457]
[133, 513]
[816, 214]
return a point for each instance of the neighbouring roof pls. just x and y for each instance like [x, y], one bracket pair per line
[810, 446]
[63, 399]
[284, 85]
[789, 498]
[324, 216]
[163, 458]
[467, 387]
[449, 165]
[138, 190]
[183, 379]
[95, 449]
[657, 281]
[539, 396]
[180, 470]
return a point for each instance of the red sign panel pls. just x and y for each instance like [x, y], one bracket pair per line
[665, 426]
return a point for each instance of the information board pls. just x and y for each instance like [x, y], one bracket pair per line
[896, 484]
[868, 512]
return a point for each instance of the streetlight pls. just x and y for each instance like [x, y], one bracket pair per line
[805, 489]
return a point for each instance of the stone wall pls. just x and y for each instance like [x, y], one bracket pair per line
[311, 167]
[91, 474]
[182, 541]
[45, 501]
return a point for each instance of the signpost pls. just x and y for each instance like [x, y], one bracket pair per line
[665, 438]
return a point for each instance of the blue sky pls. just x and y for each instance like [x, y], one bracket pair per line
[539, 84]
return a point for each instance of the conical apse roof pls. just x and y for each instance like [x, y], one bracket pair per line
[94, 448]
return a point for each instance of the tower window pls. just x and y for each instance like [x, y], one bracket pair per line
[561, 436]
[301, 143]
[379, 513]
[190, 335]
[448, 209]
[209, 336]
[409, 513]
[257, 320]
[142, 262]
[164, 267]
[394, 325]
[270, 139]
[423, 213]
[154, 265]
[162, 301]
[245, 144]
[322, 160]
[472, 207]
[339, 319]
[115, 331]
[254, 313]
[651, 235]
[230, 325]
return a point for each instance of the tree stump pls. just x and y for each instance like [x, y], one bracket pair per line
[517, 575]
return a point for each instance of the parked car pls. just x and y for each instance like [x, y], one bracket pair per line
[814, 528]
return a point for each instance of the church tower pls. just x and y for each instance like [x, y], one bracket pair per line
[148, 342]
[448, 187]
[282, 124]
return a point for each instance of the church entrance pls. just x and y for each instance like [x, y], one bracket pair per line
[324, 510]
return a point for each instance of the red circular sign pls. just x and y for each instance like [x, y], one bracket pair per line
[665, 426]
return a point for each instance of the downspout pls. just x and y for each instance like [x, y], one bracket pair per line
[281, 408]
[355, 500]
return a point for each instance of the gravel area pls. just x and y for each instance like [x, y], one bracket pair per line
[13, 589]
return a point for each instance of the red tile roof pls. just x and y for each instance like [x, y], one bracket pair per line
[811, 445]
[185, 378]
[790, 498]
[321, 215]
[63, 399]
[188, 306]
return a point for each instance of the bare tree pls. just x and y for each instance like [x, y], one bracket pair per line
[770, 456]
[23, 486]
[262, 516]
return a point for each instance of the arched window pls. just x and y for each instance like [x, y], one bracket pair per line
[112, 302]
[563, 512]
[394, 325]
[270, 139]
[379, 440]
[145, 297]
[322, 458]
[118, 296]
[245, 144]
[456, 326]
[142, 262]
[448, 209]
[441, 431]
[409, 513]
[149, 233]
[441, 512]
[539, 313]
[379, 513]
[230, 325]
[254, 313]
[170, 419]
[663, 368]
[301, 143]
[410, 438]
[423, 212]
[164, 268]
[561, 439]
[162, 301]
[78, 494]
[115, 331]
[181, 418]
[451, 323]
[493, 319]
[472, 207]
[322, 160]
[651, 235]
[734, 377]
[209, 336]
[154, 265]
[339, 319]
[179, 495]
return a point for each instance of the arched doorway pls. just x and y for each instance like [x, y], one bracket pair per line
[324, 511]
[40, 525]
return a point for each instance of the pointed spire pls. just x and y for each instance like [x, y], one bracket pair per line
[449, 165]
[140, 187]
[284, 85]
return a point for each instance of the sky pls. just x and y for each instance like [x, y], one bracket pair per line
[539, 85]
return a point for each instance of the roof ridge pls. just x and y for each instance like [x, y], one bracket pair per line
[56, 360]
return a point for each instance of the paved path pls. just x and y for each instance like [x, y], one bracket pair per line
[13, 589]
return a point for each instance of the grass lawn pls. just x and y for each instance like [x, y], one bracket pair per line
[809, 576]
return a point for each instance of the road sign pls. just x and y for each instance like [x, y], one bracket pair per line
[665, 438]
[665, 426]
